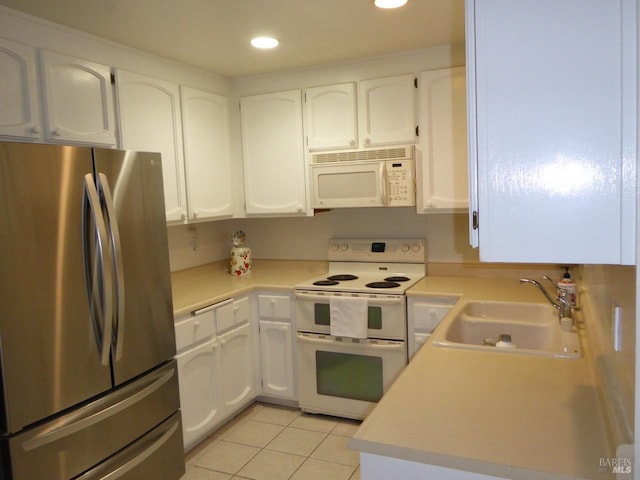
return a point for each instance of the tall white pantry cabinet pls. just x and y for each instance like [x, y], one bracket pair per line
[552, 130]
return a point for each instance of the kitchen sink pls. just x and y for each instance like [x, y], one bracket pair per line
[520, 328]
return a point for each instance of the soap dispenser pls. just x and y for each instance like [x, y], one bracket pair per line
[567, 285]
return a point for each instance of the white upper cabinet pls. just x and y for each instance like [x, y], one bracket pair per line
[387, 111]
[273, 154]
[150, 120]
[79, 105]
[442, 165]
[205, 122]
[552, 127]
[330, 117]
[19, 107]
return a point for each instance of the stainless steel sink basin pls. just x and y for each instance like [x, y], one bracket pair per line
[520, 328]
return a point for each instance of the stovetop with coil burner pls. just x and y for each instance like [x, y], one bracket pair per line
[364, 265]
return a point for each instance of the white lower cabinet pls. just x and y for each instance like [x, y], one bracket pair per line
[216, 373]
[198, 375]
[277, 359]
[276, 348]
[199, 381]
[237, 368]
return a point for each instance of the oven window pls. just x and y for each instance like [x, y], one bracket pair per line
[322, 316]
[345, 375]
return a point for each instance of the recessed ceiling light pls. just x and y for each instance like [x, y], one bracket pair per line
[265, 42]
[389, 3]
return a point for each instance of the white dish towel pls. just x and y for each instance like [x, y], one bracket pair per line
[348, 316]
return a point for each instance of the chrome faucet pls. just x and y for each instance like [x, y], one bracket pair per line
[561, 303]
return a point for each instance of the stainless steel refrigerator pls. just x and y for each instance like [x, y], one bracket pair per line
[89, 386]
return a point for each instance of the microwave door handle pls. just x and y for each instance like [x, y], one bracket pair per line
[383, 180]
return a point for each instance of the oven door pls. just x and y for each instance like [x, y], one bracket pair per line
[348, 185]
[386, 314]
[346, 377]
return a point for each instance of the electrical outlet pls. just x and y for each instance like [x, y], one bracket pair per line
[616, 327]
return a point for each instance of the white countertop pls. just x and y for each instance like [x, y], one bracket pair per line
[494, 413]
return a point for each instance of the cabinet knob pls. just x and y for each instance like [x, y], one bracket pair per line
[194, 215]
[300, 208]
[183, 217]
[57, 132]
[36, 129]
[367, 141]
[352, 142]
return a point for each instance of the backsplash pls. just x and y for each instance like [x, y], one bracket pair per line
[306, 238]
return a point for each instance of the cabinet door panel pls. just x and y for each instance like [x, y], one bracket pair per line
[150, 121]
[330, 116]
[207, 157]
[237, 373]
[443, 141]
[276, 345]
[554, 136]
[19, 111]
[387, 111]
[78, 99]
[272, 149]
[199, 391]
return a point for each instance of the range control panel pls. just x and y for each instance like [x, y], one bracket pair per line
[406, 250]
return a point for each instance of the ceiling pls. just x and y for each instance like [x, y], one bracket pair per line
[214, 34]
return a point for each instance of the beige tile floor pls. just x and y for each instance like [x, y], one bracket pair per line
[269, 442]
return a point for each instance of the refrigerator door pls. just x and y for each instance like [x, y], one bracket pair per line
[81, 439]
[130, 184]
[49, 360]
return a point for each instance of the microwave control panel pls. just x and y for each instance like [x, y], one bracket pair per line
[401, 185]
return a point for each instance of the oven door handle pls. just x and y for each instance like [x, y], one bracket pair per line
[321, 339]
[399, 300]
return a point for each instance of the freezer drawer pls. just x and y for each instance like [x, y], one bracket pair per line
[71, 444]
[157, 455]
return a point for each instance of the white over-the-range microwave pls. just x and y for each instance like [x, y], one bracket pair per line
[363, 178]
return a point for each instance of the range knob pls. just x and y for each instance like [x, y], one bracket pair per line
[405, 247]
[344, 247]
[416, 247]
[334, 247]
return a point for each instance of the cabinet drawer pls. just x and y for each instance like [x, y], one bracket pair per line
[194, 329]
[231, 314]
[274, 306]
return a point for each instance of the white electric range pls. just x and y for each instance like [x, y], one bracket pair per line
[347, 375]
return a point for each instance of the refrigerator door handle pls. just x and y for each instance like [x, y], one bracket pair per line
[101, 306]
[112, 224]
[96, 412]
